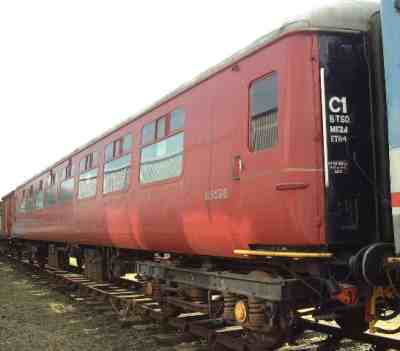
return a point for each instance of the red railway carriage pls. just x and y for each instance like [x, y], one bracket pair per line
[264, 181]
[204, 203]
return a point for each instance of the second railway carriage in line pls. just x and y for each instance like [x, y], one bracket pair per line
[272, 166]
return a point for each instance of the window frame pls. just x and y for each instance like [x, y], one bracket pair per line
[170, 131]
[68, 174]
[142, 143]
[22, 200]
[167, 130]
[39, 188]
[30, 198]
[168, 134]
[121, 154]
[92, 166]
[51, 181]
[249, 114]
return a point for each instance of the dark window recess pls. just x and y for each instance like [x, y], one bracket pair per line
[177, 119]
[264, 113]
[69, 170]
[117, 148]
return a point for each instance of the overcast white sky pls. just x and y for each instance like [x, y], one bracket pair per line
[69, 70]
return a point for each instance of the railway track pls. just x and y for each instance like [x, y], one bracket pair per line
[126, 300]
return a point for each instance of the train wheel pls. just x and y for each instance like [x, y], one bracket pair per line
[266, 324]
[353, 321]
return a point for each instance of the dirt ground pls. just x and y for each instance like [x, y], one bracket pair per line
[33, 317]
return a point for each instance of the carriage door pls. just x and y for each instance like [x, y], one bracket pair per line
[256, 163]
[280, 178]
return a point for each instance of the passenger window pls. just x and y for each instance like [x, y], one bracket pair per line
[30, 203]
[68, 185]
[177, 119]
[22, 206]
[39, 198]
[88, 176]
[164, 159]
[67, 190]
[109, 152]
[82, 165]
[87, 184]
[149, 133]
[117, 170]
[264, 113]
[127, 143]
[51, 192]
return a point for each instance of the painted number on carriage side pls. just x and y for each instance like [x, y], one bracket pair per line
[338, 104]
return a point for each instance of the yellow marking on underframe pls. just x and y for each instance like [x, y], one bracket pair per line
[287, 254]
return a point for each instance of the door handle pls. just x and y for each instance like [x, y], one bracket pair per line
[237, 168]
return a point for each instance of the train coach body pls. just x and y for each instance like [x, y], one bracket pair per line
[207, 209]
[226, 194]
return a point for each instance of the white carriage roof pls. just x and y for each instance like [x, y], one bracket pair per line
[344, 15]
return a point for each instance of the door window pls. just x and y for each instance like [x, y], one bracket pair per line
[264, 113]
